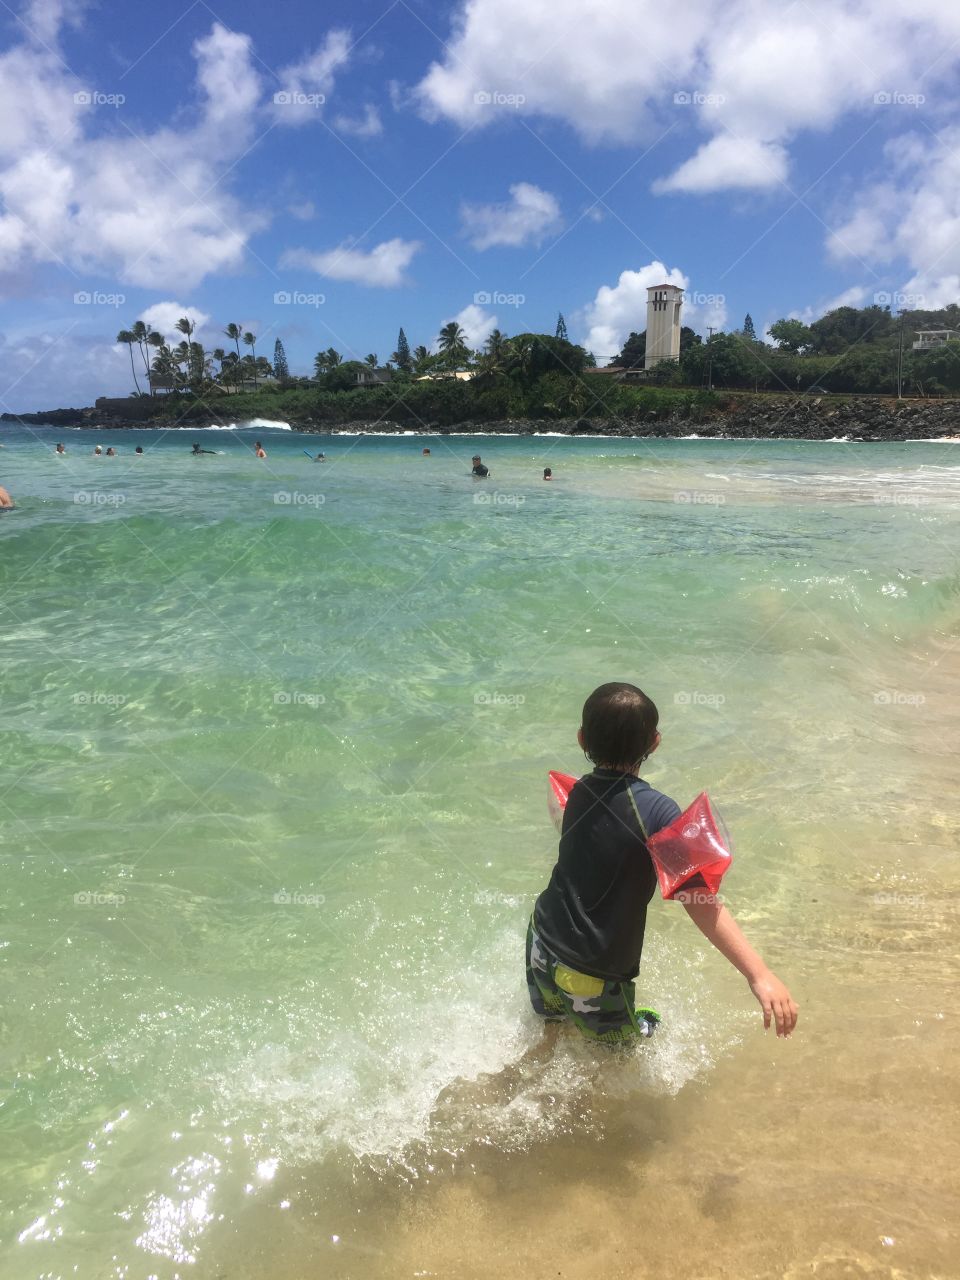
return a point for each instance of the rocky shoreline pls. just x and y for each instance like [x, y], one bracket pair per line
[802, 418]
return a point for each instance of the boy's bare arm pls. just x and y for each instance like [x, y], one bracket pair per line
[719, 928]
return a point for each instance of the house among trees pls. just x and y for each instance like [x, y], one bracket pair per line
[928, 339]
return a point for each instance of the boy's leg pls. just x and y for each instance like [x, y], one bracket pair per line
[548, 1002]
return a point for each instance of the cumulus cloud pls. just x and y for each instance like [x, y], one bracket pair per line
[913, 215]
[530, 214]
[725, 163]
[145, 209]
[369, 125]
[163, 317]
[33, 366]
[751, 77]
[384, 266]
[620, 309]
[305, 86]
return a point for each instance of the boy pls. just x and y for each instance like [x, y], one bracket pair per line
[586, 932]
[478, 468]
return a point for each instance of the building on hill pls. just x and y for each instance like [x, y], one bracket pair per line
[927, 339]
[664, 304]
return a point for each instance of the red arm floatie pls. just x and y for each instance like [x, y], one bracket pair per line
[692, 854]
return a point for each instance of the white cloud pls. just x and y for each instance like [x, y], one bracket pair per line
[384, 266]
[477, 325]
[529, 215]
[163, 317]
[33, 369]
[725, 163]
[913, 215]
[369, 125]
[305, 86]
[621, 309]
[144, 209]
[302, 210]
[750, 76]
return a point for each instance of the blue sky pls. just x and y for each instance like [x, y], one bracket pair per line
[491, 162]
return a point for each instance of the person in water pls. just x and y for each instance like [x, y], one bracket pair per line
[198, 452]
[547, 473]
[111, 452]
[139, 451]
[60, 450]
[321, 457]
[586, 933]
[259, 450]
[6, 502]
[97, 451]
[425, 452]
[478, 468]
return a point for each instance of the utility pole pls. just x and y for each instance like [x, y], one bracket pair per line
[900, 362]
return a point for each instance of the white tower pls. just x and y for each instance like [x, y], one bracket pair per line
[664, 302]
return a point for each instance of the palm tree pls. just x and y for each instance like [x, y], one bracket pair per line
[372, 360]
[420, 357]
[250, 340]
[496, 348]
[181, 356]
[156, 341]
[140, 335]
[521, 353]
[234, 333]
[126, 336]
[453, 347]
[219, 355]
[334, 357]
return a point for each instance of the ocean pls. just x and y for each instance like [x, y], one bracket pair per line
[273, 813]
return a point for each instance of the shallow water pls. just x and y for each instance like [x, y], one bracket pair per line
[272, 796]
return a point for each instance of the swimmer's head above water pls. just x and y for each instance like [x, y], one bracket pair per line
[618, 728]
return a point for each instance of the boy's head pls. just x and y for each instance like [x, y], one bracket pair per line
[619, 726]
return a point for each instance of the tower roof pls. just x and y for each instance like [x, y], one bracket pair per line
[665, 286]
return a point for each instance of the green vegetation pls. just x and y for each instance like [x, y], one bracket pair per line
[542, 376]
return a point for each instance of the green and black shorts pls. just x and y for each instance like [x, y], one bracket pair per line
[600, 1010]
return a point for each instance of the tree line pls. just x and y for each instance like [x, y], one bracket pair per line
[866, 350]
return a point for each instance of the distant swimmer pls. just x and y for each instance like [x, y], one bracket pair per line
[139, 451]
[6, 502]
[321, 457]
[548, 473]
[478, 468]
[426, 453]
[111, 452]
[259, 450]
[97, 451]
[60, 450]
[197, 451]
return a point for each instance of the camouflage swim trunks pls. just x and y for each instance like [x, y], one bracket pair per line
[600, 1010]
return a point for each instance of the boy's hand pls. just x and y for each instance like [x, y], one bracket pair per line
[775, 1001]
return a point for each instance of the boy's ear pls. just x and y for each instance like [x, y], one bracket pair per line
[656, 743]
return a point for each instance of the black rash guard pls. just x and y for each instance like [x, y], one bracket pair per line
[593, 913]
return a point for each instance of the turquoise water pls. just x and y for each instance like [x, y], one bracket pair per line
[272, 794]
